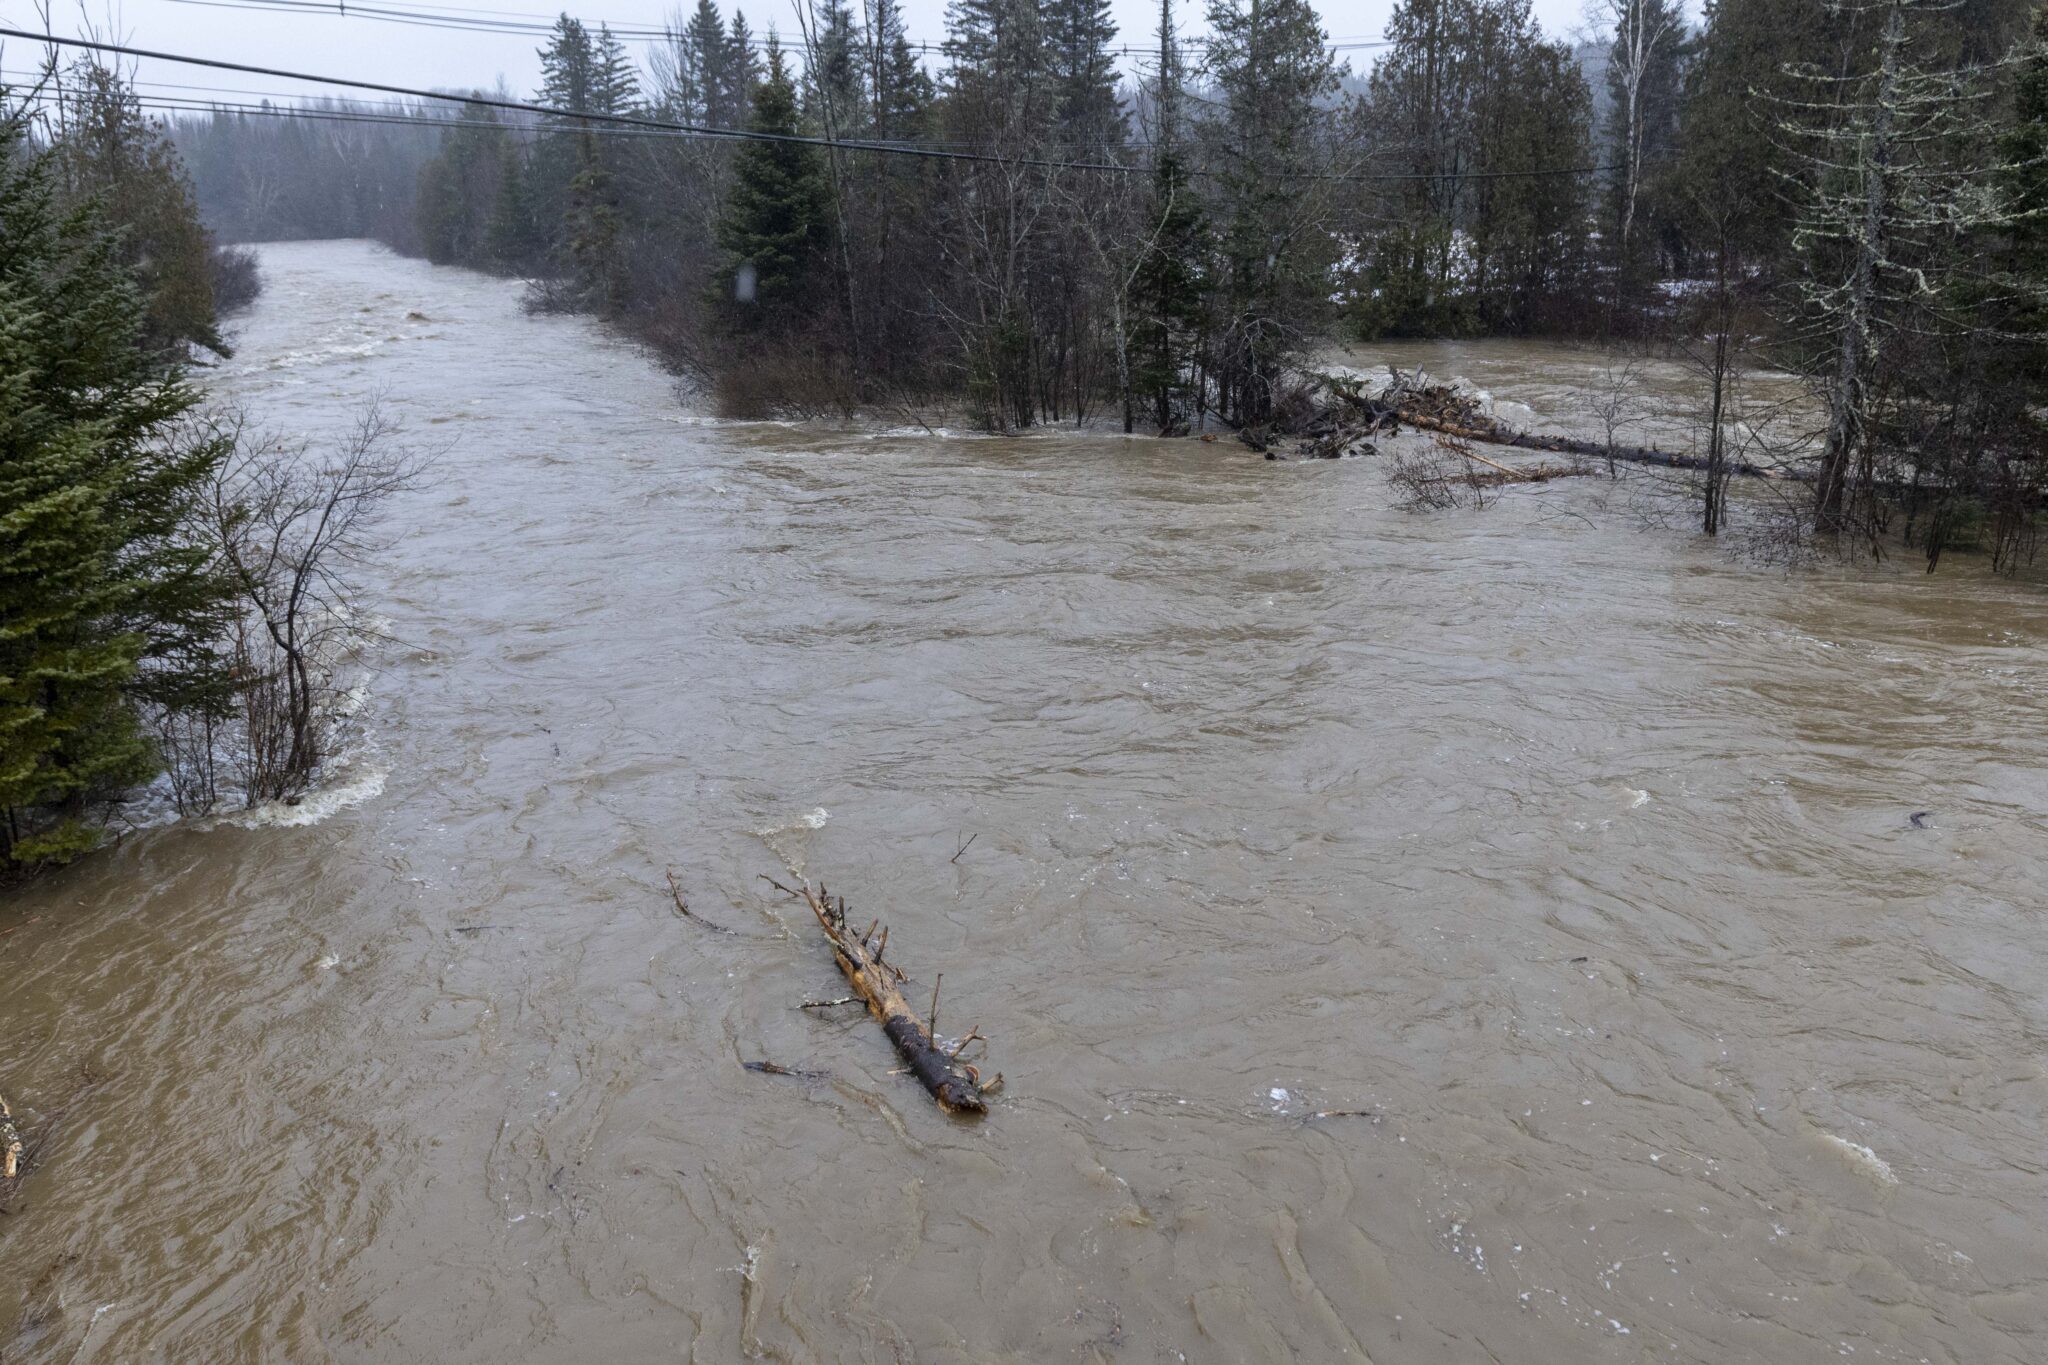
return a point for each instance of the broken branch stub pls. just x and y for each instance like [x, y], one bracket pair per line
[954, 1084]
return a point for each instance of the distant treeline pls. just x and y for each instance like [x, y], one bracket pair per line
[1850, 188]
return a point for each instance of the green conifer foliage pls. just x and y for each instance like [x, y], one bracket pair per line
[104, 600]
[778, 217]
[2024, 151]
[107, 149]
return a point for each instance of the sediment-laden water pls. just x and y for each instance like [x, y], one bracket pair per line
[1573, 853]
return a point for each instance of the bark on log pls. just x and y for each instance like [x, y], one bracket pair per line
[956, 1085]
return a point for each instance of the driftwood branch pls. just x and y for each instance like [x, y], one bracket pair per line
[956, 1085]
[675, 891]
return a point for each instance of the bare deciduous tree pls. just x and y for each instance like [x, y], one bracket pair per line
[290, 527]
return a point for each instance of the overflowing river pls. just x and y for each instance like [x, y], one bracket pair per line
[1568, 861]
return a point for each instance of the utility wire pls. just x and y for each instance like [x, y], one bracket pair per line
[697, 130]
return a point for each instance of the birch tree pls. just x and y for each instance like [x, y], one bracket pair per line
[1642, 70]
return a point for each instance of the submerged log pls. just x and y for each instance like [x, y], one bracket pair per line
[955, 1084]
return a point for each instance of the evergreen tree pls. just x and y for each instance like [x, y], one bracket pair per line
[1170, 292]
[460, 190]
[109, 151]
[1271, 64]
[1741, 68]
[1090, 117]
[695, 70]
[1899, 201]
[903, 92]
[513, 238]
[776, 230]
[835, 85]
[575, 167]
[742, 73]
[104, 601]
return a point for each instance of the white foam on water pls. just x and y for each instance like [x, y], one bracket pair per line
[315, 806]
[794, 854]
[1862, 1160]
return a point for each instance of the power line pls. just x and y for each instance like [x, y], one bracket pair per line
[695, 130]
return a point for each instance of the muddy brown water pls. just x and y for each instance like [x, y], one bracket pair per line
[1576, 855]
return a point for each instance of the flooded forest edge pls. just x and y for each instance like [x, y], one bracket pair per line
[953, 409]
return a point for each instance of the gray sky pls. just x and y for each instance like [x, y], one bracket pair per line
[330, 44]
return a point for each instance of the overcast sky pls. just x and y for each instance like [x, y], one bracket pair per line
[328, 43]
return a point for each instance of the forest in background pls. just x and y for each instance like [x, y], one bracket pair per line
[1847, 189]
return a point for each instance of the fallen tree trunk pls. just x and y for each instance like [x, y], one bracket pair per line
[1492, 433]
[955, 1084]
[1335, 415]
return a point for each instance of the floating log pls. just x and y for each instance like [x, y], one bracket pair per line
[955, 1084]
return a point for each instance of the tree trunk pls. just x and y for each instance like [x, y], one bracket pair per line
[954, 1084]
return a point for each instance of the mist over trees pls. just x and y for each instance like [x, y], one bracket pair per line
[1848, 189]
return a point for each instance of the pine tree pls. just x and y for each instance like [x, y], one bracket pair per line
[104, 601]
[776, 229]
[108, 150]
[1273, 69]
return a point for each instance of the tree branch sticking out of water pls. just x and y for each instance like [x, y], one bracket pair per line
[288, 528]
[862, 958]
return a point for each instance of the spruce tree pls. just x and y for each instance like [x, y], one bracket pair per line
[1271, 65]
[108, 150]
[835, 85]
[1170, 294]
[576, 167]
[776, 228]
[701, 60]
[903, 92]
[741, 71]
[104, 600]
[1090, 117]
[513, 237]
[459, 190]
